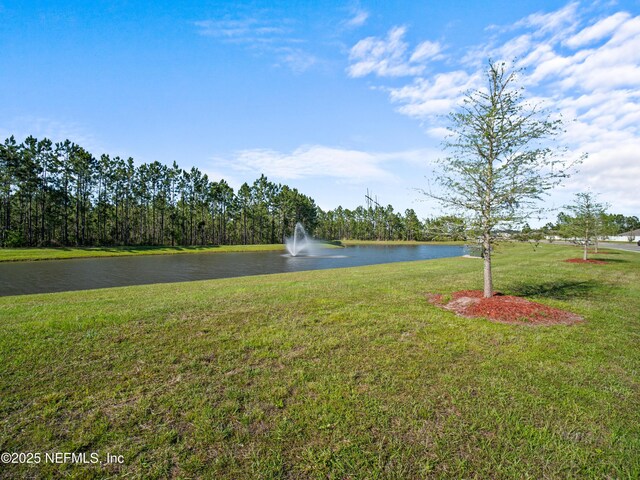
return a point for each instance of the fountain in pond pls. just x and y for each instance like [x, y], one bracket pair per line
[300, 243]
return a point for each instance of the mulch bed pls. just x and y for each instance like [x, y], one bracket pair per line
[580, 260]
[503, 308]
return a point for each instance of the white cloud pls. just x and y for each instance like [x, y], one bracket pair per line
[296, 59]
[426, 51]
[316, 161]
[312, 161]
[243, 30]
[439, 133]
[263, 37]
[359, 19]
[389, 57]
[558, 23]
[437, 96]
[597, 31]
[586, 68]
[515, 47]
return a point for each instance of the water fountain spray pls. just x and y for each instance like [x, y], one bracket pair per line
[299, 243]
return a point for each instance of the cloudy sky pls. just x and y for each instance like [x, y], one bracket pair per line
[333, 98]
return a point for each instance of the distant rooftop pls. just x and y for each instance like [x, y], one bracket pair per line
[632, 233]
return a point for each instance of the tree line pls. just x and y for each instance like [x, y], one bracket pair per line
[383, 223]
[59, 194]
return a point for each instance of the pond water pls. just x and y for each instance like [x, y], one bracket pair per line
[19, 278]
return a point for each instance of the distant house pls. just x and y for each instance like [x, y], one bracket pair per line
[505, 233]
[626, 236]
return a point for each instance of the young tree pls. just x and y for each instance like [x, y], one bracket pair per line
[502, 162]
[586, 224]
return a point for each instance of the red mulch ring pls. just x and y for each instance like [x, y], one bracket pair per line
[503, 308]
[580, 260]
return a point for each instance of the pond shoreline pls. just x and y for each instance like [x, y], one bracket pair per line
[21, 278]
[67, 253]
[29, 254]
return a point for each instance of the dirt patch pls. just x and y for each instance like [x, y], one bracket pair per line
[580, 260]
[503, 308]
[435, 298]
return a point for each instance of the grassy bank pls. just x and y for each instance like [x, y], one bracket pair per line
[59, 253]
[330, 374]
[397, 242]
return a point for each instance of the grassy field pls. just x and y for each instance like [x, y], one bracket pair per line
[330, 374]
[60, 253]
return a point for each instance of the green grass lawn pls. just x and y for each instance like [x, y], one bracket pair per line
[345, 373]
[60, 253]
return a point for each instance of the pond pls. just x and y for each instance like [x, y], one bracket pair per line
[19, 278]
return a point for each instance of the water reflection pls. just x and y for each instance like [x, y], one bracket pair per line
[80, 274]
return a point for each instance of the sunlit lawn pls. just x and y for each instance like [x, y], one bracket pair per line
[345, 373]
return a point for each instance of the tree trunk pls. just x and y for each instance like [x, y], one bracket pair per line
[29, 222]
[488, 280]
[44, 208]
[244, 225]
[224, 226]
[7, 220]
[77, 214]
[586, 244]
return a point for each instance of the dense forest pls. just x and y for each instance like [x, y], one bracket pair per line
[59, 194]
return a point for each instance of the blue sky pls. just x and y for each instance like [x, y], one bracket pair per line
[333, 98]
